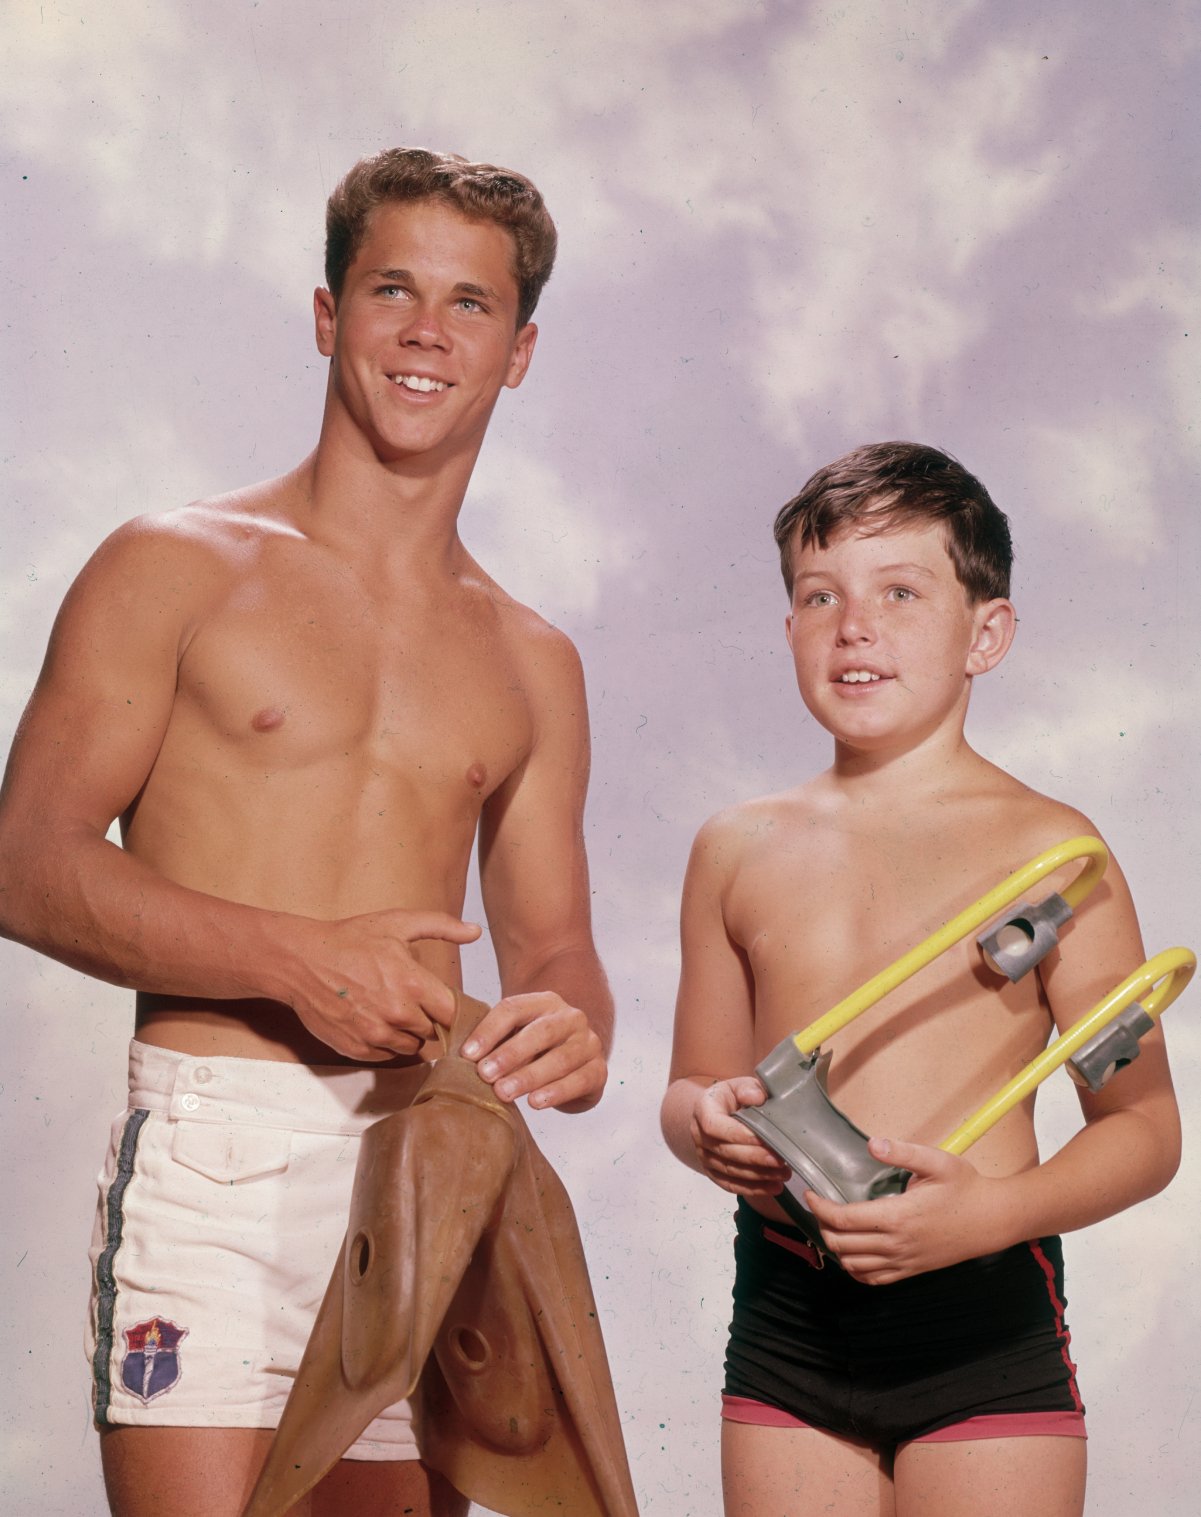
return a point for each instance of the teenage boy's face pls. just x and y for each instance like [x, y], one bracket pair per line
[884, 639]
[424, 334]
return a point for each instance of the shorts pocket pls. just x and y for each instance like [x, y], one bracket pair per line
[230, 1154]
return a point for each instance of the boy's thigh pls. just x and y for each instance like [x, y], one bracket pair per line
[374, 1488]
[210, 1472]
[793, 1472]
[189, 1472]
[992, 1477]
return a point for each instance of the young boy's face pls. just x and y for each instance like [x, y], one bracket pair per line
[884, 638]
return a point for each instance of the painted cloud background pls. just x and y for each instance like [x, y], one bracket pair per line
[785, 229]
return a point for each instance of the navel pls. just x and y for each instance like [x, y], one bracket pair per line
[268, 719]
[476, 776]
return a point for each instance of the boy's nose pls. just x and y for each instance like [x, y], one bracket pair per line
[423, 329]
[856, 624]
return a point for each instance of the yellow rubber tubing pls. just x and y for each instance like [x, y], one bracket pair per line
[1092, 850]
[1168, 972]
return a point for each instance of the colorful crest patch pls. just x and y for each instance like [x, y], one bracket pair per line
[151, 1364]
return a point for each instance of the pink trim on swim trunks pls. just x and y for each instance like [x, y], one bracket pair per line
[757, 1413]
[1009, 1425]
[999, 1425]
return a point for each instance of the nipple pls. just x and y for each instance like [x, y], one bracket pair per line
[476, 776]
[268, 719]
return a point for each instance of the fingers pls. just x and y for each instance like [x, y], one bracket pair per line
[730, 1154]
[440, 925]
[430, 996]
[538, 1046]
[744, 1172]
[918, 1158]
[865, 1255]
[377, 1024]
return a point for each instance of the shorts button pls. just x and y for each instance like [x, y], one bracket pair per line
[202, 1074]
[190, 1101]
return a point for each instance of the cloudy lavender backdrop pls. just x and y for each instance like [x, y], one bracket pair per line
[785, 229]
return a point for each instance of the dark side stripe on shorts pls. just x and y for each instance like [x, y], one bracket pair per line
[106, 1284]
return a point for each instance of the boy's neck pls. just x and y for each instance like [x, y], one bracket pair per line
[400, 514]
[939, 764]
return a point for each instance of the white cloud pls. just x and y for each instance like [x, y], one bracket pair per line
[547, 540]
[1162, 285]
[71, 500]
[1068, 728]
[1101, 479]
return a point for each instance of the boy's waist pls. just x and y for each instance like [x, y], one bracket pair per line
[267, 1093]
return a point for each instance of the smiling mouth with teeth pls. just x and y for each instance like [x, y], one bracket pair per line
[857, 677]
[418, 382]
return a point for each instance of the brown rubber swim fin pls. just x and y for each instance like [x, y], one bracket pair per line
[461, 1285]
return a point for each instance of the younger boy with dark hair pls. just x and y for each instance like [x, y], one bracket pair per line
[923, 1366]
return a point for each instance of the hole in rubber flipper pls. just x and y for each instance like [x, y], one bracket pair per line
[362, 1252]
[470, 1348]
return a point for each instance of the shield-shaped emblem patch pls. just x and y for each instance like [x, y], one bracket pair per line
[151, 1364]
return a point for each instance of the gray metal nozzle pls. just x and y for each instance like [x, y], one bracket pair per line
[1111, 1049]
[1024, 936]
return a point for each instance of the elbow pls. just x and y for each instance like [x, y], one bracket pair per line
[14, 884]
[675, 1120]
[1163, 1154]
[1170, 1151]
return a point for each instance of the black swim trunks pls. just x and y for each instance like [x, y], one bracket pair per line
[892, 1363]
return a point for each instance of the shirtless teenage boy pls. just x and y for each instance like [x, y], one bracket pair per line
[924, 1369]
[302, 699]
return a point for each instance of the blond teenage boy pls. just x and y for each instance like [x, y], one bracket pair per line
[923, 1367]
[305, 701]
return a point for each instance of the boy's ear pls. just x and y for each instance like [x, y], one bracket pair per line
[325, 319]
[788, 628]
[995, 622]
[523, 351]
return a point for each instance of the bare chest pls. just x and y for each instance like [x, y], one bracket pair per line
[818, 917]
[300, 677]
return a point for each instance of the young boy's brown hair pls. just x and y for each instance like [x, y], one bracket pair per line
[883, 486]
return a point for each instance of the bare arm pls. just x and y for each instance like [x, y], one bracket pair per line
[550, 1036]
[1128, 1149]
[85, 747]
[713, 1048]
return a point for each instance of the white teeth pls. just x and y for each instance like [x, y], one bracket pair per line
[418, 382]
[858, 677]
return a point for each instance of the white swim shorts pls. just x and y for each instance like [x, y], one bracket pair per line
[223, 1203]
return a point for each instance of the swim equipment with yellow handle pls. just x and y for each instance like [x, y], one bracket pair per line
[1148, 992]
[828, 1154]
[1024, 921]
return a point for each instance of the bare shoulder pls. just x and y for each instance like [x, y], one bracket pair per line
[546, 659]
[1030, 821]
[169, 566]
[214, 533]
[733, 838]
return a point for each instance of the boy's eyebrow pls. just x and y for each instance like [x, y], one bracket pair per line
[911, 570]
[406, 276]
[907, 569]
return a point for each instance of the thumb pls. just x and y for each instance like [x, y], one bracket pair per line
[747, 1090]
[440, 925]
[923, 1163]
